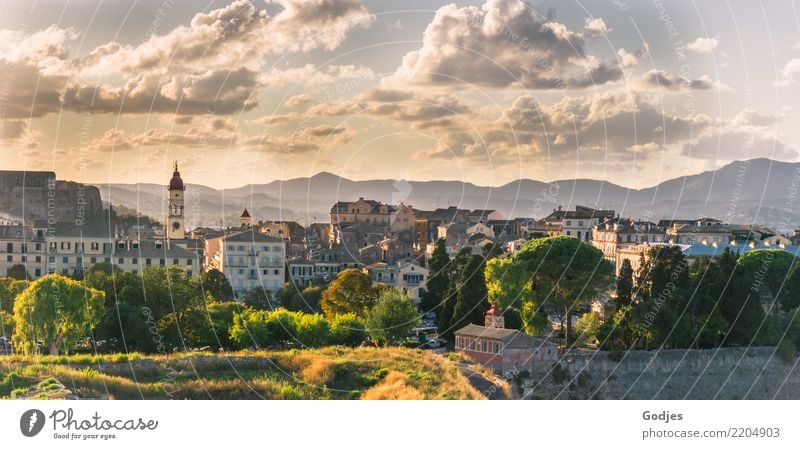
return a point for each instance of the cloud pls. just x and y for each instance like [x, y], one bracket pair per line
[298, 100]
[596, 27]
[790, 73]
[212, 64]
[311, 75]
[703, 44]
[503, 43]
[419, 110]
[748, 135]
[661, 80]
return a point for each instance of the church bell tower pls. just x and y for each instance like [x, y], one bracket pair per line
[175, 220]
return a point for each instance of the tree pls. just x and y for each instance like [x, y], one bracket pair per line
[216, 283]
[662, 290]
[471, 299]
[348, 330]
[10, 288]
[624, 285]
[57, 311]
[350, 292]
[567, 274]
[307, 300]
[790, 295]
[450, 297]
[439, 279]
[392, 318]
[258, 298]
[18, 272]
[510, 287]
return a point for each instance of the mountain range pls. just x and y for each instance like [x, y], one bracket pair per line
[755, 191]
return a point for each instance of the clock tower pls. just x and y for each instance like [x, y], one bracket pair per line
[175, 220]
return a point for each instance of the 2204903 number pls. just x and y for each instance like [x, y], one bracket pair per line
[757, 432]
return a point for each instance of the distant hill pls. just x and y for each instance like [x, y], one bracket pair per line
[743, 191]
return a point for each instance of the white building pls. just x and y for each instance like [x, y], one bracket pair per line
[249, 260]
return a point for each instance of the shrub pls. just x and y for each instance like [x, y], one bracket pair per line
[787, 351]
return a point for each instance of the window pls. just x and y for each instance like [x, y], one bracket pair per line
[107, 260]
[175, 262]
[276, 272]
[472, 345]
[496, 347]
[189, 262]
[38, 258]
[161, 262]
[37, 272]
[158, 245]
[121, 261]
[135, 261]
[93, 260]
[569, 222]
[10, 258]
[65, 259]
[94, 246]
[148, 262]
[135, 245]
[569, 233]
[120, 245]
[230, 247]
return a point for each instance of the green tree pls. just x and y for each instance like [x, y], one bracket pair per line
[57, 311]
[258, 298]
[18, 272]
[450, 297]
[10, 288]
[624, 295]
[510, 286]
[307, 300]
[348, 330]
[567, 275]
[662, 289]
[439, 278]
[471, 299]
[350, 292]
[392, 318]
[790, 294]
[215, 282]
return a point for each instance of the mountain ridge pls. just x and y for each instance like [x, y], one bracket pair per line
[731, 192]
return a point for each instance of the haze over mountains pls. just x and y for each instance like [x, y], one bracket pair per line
[751, 191]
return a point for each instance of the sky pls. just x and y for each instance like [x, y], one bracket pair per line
[487, 92]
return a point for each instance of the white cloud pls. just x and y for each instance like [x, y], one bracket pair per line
[503, 43]
[790, 73]
[703, 44]
[212, 64]
[596, 27]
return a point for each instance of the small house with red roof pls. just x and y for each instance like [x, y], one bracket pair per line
[503, 349]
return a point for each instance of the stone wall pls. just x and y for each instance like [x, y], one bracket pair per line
[727, 373]
[28, 194]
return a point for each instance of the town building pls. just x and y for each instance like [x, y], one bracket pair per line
[503, 349]
[576, 223]
[249, 259]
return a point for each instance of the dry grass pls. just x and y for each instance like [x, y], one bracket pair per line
[393, 386]
[324, 373]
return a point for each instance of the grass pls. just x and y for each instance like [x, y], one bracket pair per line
[324, 373]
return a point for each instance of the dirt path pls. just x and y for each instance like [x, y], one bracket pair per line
[486, 386]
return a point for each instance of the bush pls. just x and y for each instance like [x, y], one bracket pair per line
[347, 330]
[787, 351]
